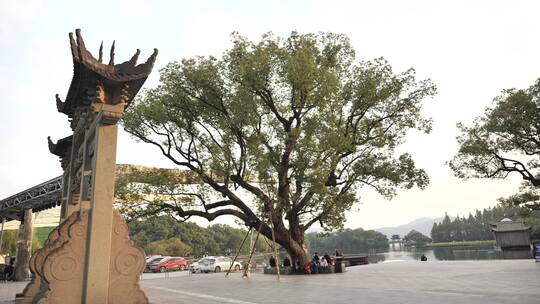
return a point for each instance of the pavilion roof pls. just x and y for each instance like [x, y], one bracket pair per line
[509, 226]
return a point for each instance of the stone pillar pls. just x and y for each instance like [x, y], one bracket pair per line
[24, 247]
[2, 236]
[100, 227]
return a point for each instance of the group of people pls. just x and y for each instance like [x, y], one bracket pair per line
[317, 265]
[8, 269]
[273, 262]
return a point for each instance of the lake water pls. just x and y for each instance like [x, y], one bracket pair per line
[449, 253]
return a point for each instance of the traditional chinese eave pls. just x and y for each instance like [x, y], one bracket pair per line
[94, 81]
[61, 146]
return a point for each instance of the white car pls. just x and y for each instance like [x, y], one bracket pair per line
[194, 267]
[216, 264]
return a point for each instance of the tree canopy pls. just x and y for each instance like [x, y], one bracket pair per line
[347, 241]
[475, 227]
[504, 140]
[416, 238]
[165, 235]
[10, 238]
[285, 131]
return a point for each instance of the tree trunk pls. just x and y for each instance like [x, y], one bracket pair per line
[299, 258]
[24, 247]
[291, 239]
[294, 248]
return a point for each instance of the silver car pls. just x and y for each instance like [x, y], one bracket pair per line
[217, 264]
[195, 266]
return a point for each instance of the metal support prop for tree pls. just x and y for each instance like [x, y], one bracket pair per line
[275, 251]
[252, 250]
[238, 251]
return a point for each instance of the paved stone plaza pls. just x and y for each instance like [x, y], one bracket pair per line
[492, 281]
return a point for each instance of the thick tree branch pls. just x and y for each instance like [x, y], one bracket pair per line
[516, 166]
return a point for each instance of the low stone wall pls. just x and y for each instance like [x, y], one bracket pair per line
[289, 270]
[282, 270]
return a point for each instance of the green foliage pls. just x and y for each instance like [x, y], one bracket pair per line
[9, 241]
[528, 196]
[505, 139]
[286, 129]
[476, 227]
[41, 234]
[35, 243]
[172, 247]
[166, 236]
[416, 238]
[348, 241]
[534, 223]
[463, 243]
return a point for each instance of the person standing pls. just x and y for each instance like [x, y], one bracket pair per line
[286, 262]
[314, 267]
[316, 258]
[272, 261]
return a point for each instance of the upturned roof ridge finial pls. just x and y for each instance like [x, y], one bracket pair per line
[51, 144]
[100, 59]
[111, 61]
[135, 57]
[59, 103]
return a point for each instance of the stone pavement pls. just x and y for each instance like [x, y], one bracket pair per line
[441, 282]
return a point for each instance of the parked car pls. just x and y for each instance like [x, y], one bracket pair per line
[153, 260]
[195, 266]
[217, 264]
[168, 264]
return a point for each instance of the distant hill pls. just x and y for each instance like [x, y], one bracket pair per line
[423, 225]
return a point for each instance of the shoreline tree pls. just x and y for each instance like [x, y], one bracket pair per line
[416, 238]
[160, 235]
[476, 227]
[348, 240]
[505, 140]
[280, 134]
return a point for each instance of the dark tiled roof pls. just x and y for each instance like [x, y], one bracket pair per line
[509, 226]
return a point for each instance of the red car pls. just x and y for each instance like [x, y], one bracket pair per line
[168, 264]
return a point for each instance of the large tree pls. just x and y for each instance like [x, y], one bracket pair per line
[285, 131]
[504, 140]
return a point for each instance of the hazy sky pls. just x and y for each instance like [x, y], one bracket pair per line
[470, 49]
